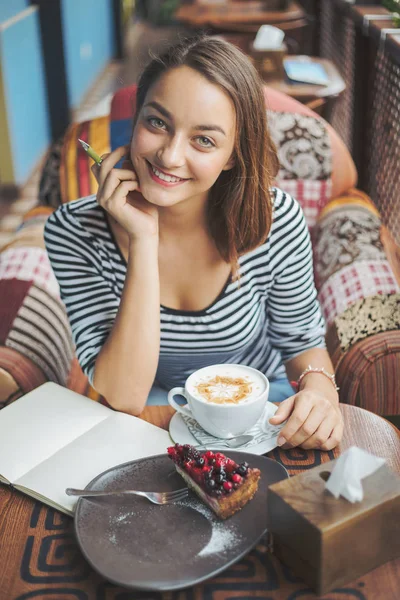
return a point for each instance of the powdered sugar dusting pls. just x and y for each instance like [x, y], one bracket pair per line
[222, 539]
[121, 518]
[224, 535]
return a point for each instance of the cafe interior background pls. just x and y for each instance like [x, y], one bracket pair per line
[62, 61]
[67, 68]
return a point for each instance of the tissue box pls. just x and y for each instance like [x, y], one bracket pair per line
[329, 542]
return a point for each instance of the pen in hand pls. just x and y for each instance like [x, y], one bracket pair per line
[97, 159]
[89, 150]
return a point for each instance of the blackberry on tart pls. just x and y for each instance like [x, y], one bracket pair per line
[224, 485]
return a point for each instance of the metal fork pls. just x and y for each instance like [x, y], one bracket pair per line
[155, 497]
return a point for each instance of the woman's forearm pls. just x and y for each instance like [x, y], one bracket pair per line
[318, 358]
[126, 365]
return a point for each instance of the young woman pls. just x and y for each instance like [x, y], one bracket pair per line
[187, 256]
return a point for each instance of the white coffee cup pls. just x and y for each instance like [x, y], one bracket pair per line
[222, 407]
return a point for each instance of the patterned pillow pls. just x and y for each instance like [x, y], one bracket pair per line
[355, 283]
[35, 337]
[348, 230]
[350, 261]
[305, 159]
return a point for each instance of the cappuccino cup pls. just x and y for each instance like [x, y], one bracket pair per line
[226, 400]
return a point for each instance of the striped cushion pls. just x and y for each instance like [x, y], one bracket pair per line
[37, 327]
[35, 338]
[18, 375]
[351, 196]
[367, 372]
[76, 178]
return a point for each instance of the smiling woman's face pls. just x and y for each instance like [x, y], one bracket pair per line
[183, 139]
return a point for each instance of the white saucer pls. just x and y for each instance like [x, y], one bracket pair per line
[180, 434]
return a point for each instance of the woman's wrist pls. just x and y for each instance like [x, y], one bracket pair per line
[320, 371]
[319, 382]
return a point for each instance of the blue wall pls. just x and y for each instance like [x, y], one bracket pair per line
[25, 92]
[9, 8]
[88, 43]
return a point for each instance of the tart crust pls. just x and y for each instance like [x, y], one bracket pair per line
[227, 505]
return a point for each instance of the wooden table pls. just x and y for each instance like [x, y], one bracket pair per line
[40, 559]
[247, 17]
[320, 98]
[251, 13]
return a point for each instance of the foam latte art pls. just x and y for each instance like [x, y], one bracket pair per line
[222, 389]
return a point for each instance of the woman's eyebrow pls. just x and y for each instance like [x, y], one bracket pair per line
[160, 109]
[168, 115]
[210, 128]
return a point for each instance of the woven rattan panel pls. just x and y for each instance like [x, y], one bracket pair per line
[383, 141]
[337, 43]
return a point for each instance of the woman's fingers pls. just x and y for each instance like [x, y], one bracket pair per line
[116, 201]
[296, 420]
[109, 162]
[334, 438]
[117, 195]
[311, 427]
[95, 168]
[114, 178]
[320, 436]
[313, 423]
[109, 178]
[283, 412]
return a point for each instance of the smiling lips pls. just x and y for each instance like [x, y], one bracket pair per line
[163, 178]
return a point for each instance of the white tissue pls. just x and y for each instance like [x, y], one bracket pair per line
[350, 468]
[268, 38]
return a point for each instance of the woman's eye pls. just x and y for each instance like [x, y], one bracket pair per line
[156, 122]
[205, 142]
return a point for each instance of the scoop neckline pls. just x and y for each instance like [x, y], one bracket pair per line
[174, 311]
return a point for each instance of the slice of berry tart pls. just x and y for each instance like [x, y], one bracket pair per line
[219, 481]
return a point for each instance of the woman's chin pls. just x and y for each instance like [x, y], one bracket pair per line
[157, 199]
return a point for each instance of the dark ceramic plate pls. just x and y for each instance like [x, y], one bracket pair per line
[142, 546]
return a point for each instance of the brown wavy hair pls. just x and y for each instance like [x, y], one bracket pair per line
[240, 204]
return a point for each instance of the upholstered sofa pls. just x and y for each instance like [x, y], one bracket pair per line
[355, 259]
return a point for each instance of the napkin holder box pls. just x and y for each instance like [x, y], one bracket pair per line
[330, 541]
[269, 63]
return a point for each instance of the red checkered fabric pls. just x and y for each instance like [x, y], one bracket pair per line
[312, 195]
[353, 283]
[29, 264]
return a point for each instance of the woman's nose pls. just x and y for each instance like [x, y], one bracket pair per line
[172, 153]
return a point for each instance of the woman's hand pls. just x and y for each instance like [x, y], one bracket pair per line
[313, 421]
[119, 194]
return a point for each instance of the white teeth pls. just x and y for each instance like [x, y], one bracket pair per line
[165, 177]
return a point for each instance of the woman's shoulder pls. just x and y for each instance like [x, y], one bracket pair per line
[284, 206]
[288, 223]
[78, 214]
[77, 208]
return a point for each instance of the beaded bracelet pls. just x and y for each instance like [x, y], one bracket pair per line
[311, 369]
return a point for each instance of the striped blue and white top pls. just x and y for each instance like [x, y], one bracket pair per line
[270, 317]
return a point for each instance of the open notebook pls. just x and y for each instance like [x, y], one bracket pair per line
[53, 438]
